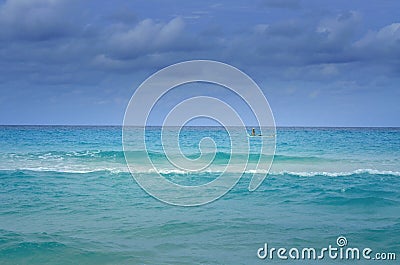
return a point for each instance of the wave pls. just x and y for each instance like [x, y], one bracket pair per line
[120, 155]
[207, 172]
[360, 171]
[66, 154]
[66, 170]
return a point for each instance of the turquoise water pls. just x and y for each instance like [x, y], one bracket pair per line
[67, 198]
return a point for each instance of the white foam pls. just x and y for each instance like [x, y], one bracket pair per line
[339, 174]
[71, 170]
[114, 170]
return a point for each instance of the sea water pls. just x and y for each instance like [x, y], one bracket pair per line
[67, 197]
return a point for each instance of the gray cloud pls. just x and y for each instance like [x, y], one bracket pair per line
[296, 43]
[126, 42]
[62, 42]
[34, 20]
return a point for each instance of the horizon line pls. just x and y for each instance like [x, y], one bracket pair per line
[119, 125]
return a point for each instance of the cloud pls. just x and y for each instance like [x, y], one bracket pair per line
[285, 48]
[339, 29]
[126, 42]
[298, 43]
[147, 36]
[35, 20]
[381, 44]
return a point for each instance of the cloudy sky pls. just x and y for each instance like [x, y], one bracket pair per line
[319, 63]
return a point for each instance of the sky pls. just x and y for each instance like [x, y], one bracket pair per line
[319, 63]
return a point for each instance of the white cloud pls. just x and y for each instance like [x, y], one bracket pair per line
[387, 35]
[146, 36]
[382, 45]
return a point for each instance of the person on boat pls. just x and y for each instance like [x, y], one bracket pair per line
[253, 132]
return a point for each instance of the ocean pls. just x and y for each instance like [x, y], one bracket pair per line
[67, 197]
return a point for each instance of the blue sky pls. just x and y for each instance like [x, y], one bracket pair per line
[319, 63]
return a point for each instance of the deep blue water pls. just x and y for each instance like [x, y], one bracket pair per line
[67, 197]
